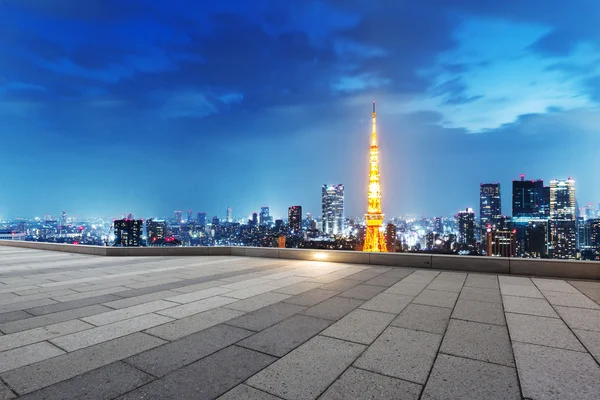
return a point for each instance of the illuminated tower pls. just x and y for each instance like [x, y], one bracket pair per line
[374, 238]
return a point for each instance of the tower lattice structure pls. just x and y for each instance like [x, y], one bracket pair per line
[374, 239]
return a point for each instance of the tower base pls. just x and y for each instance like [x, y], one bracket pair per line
[374, 240]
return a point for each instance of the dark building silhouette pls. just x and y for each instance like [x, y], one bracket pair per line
[156, 230]
[295, 219]
[390, 237]
[465, 221]
[128, 232]
[490, 207]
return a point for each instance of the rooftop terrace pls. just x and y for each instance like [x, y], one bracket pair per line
[234, 327]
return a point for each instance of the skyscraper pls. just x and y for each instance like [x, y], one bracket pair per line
[595, 236]
[189, 217]
[374, 238]
[490, 209]
[265, 217]
[500, 242]
[563, 229]
[332, 203]
[390, 237]
[465, 221]
[229, 214]
[156, 230]
[295, 219]
[178, 215]
[128, 232]
[201, 219]
[528, 197]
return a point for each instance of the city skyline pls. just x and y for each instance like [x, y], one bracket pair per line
[198, 106]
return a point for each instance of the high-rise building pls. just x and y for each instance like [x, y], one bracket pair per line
[595, 236]
[536, 239]
[465, 221]
[490, 209]
[254, 220]
[178, 215]
[215, 221]
[128, 232]
[545, 206]
[229, 214]
[527, 197]
[189, 217]
[390, 237]
[295, 219]
[332, 202]
[156, 230]
[563, 229]
[201, 219]
[265, 217]
[438, 225]
[501, 243]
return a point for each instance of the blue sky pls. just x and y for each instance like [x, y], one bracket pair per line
[147, 106]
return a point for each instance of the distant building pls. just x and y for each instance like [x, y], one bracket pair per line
[295, 219]
[527, 197]
[465, 221]
[563, 229]
[201, 219]
[189, 217]
[265, 217]
[390, 237]
[229, 215]
[128, 232]
[178, 215]
[254, 220]
[501, 243]
[595, 236]
[156, 230]
[490, 208]
[438, 225]
[536, 239]
[332, 202]
[215, 221]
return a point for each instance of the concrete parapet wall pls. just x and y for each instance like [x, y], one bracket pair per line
[495, 265]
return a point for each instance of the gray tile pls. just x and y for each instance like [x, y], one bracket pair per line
[461, 378]
[570, 300]
[333, 308]
[421, 276]
[520, 290]
[579, 318]
[186, 326]
[436, 298]
[285, 336]
[246, 392]
[591, 340]
[399, 272]
[550, 373]
[69, 305]
[542, 330]
[340, 285]
[491, 295]
[482, 281]
[48, 372]
[479, 311]
[360, 326]
[251, 291]
[196, 307]
[25, 305]
[42, 333]
[307, 371]
[515, 280]
[207, 378]
[365, 275]
[478, 341]
[6, 393]
[112, 316]
[423, 318]
[171, 356]
[26, 355]
[401, 353]
[49, 319]
[363, 292]
[103, 383]
[257, 302]
[554, 285]
[360, 384]
[526, 305]
[406, 288]
[383, 280]
[13, 316]
[298, 288]
[449, 286]
[311, 297]
[265, 317]
[387, 302]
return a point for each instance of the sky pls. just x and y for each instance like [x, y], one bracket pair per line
[150, 106]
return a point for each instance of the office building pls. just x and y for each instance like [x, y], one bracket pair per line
[254, 220]
[527, 197]
[438, 225]
[265, 217]
[536, 239]
[190, 219]
[500, 243]
[490, 209]
[563, 229]
[156, 230]
[332, 204]
[201, 219]
[178, 215]
[295, 219]
[390, 237]
[594, 228]
[465, 221]
[229, 215]
[128, 232]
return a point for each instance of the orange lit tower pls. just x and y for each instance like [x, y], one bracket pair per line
[374, 239]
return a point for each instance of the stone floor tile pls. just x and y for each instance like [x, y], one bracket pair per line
[585, 284]
[246, 392]
[360, 384]
[520, 290]
[25, 305]
[164, 359]
[593, 294]
[104, 333]
[554, 285]
[285, 336]
[578, 318]
[257, 302]
[362, 292]
[26, 355]
[387, 302]
[479, 311]
[13, 316]
[570, 300]
[200, 286]
[307, 371]
[48, 372]
[49, 319]
[365, 275]
[251, 291]
[383, 280]
[449, 286]
[550, 373]
[199, 295]
[436, 298]
[401, 353]
[196, 307]
[40, 334]
[333, 308]
[246, 283]
[399, 272]
[128, 312]
[482, 281]
[591, 340]
[146, 298]
[514, 280]
[297, 288]
[6, 393]
[542, 330]
[491, 295]
[360, 326]
[106, 382]
[340, 285]
[478, 341]
[195, 323]
[424, 318]
[266, 316]
[461, 378]
[421, 276]
[69, 305]
[406, 288]
[311, 297]
[526, 305]
[208, 378]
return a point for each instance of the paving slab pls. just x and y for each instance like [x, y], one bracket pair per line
[479, 311]
[550, 373]
[544, 331]
[164, 359]
[333, 308]
[360, 326]
[401, 353]
[6, 393]
[491, 295]
[196, 307]
[106, 382]
[69, 305]
[207, 378]
[449, 286]
[388, 302]
[365, 275]
[570, 300]
[461, 378]
[49, 319]
[554, 285]
[266, 316]
[340, 285]
[484, 342]
[13, 316]
[311, 297]
[26, 355]
[591, 340]
[198, 295]
[246, 392]
[285, 336]
[40, 334]
[383, 280]
[423, 318]
[251, 291]
[257, 302]
[399, 272]
[360, 384]
[482, 281]
[579, 318]
[520, 290]
[526, 305]
[421, 276]
[406, 288]
[297, 288]
[307, 371]
[362, 292]
[48, 372]
[112, 316]
[515, 280]
[436, 298]
[25, 305]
